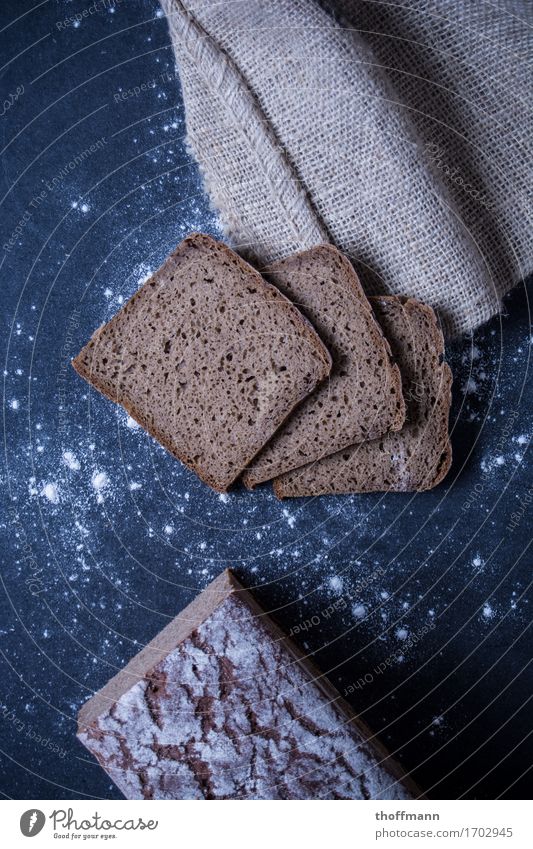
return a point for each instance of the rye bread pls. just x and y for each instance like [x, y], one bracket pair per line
[419, 456]
[222, 704]
[208, 358]
[362, 398]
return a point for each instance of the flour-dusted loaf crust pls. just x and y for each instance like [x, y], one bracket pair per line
[208, 358]
[222, 705]
[363, 397]
[417, 457]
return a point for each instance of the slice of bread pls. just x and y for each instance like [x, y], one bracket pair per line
[419, 456]
[208, 358]
[362, 398]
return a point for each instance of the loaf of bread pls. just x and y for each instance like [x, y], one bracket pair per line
[363, 397]
[419, 455]
[223, 705]
[208, 358]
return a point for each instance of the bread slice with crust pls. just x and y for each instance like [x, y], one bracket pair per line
[419, 455]
[208, 358]
[362, 398]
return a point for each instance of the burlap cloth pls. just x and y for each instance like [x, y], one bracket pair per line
[400, 131]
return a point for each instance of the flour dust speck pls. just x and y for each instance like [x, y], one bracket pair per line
[50, 491]
[359, 611]
[99, 482]
[487, 612]
[70, 460]
[335, 584]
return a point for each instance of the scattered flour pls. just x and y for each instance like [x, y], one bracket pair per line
[487, 612]
[99, 481]
[71, 461]
[51, 492]
[291, 521]
[142, 272]
[402, 633]
[359, 611]
[490, 463]
[335, 584]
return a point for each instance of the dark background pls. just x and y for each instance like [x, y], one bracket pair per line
[114, 537]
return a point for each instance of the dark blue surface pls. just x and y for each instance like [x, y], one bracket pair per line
[416, 605]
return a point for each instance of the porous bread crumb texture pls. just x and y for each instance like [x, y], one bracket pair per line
[419, 456]
[230, 714]
[362, 399]
[208, 358]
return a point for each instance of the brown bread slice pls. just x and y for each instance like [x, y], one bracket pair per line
[419, 456]
[208, 358]
[362, 398]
